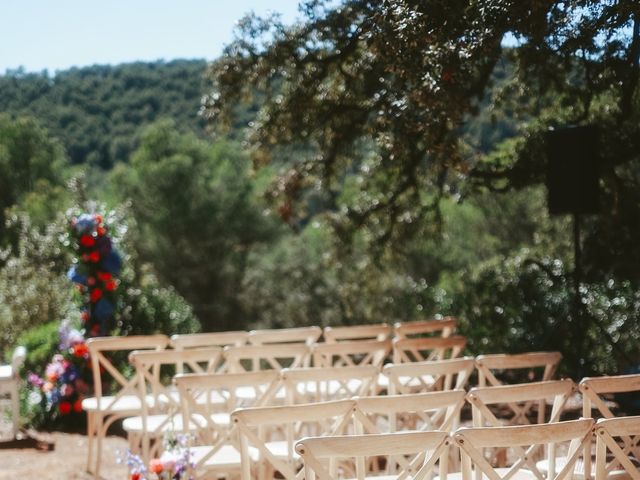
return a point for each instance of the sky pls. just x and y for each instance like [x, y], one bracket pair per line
[56, 35]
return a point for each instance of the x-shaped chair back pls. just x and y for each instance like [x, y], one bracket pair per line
[620, 437]
[513, 405]
[534, 366]
[155, 370]
[208, 339]
[305, 335]
[296, 421]
[349, 333]
[422, 328]
[303, 385]
[411, 412]
[324, 457]
[429, 376]
[523, 439]
[594, 404]
[351, 354]
[251, 358]
[407, 350]
[200, 394]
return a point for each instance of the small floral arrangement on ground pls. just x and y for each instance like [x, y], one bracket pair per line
[174, 463]
[63, 386]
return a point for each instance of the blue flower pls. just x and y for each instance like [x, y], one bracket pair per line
[75, 276]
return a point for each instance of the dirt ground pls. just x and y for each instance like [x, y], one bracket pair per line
[66, 462]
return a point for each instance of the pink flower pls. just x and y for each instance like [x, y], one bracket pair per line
[168, 460]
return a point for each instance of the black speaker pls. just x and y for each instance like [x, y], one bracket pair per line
[573, 170]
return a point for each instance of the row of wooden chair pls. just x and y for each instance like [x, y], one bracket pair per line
[444, 327]
[242, 443]
[421, 455]
[103, 410]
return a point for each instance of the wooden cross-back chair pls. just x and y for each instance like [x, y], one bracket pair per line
[415, 411]
[595, 394]
[155, 371]
[427, 348]
[513, 404]
[295, 422]
[215, 450]
[571, 436]
[505, 405]
[429, 375]
[349, 333]
[208, 339]
[350, 354]
[304, 385]
[420, 328]
[411, 412]
[618, 437]
[324, 457]
[122, 399]
[497, 369]
[266, 357]
[305, 335]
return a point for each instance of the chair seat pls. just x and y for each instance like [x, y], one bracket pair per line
[6, 373]
[279, 449]
[227, 457]
[126, 403]
[578, 470]
[160, 424]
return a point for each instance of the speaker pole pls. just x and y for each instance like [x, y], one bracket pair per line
[580, 327]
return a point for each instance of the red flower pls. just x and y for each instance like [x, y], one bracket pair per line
[80, 350]
[104, 276]
[85, 316]
[87, 241]
[96, 294]
[85, 257]
[110, 285]
[134, 476]
[91, 281]
[155, 466]
[101, 231]
[94, 256]
[77, 406]
[65, 408]
[98, 218]
[95, 330]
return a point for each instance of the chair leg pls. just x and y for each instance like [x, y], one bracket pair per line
[90, 433]
[15, 408]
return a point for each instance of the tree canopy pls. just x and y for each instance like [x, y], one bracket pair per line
[383, 92]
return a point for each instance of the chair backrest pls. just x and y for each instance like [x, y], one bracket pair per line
[419, 411]
[427, 348]
[100, 349]
[505, 368]
[297, 421]
[619, 436]
[17, 360]
[416, 454]
[208, 339]
[429, 375]
[305, 335]
[421, 328]
[251, 358]
[350, 354]
[200, 396]
[156, 369]
[379, 331]
[305, 385]
[595, 389]
[513, 404]
[523, 441]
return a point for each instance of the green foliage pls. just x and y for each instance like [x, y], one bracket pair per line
[97, 111]
[520, 303]
[198, 218]
[31, 170]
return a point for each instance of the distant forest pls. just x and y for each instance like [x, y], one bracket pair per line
[97, 112]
